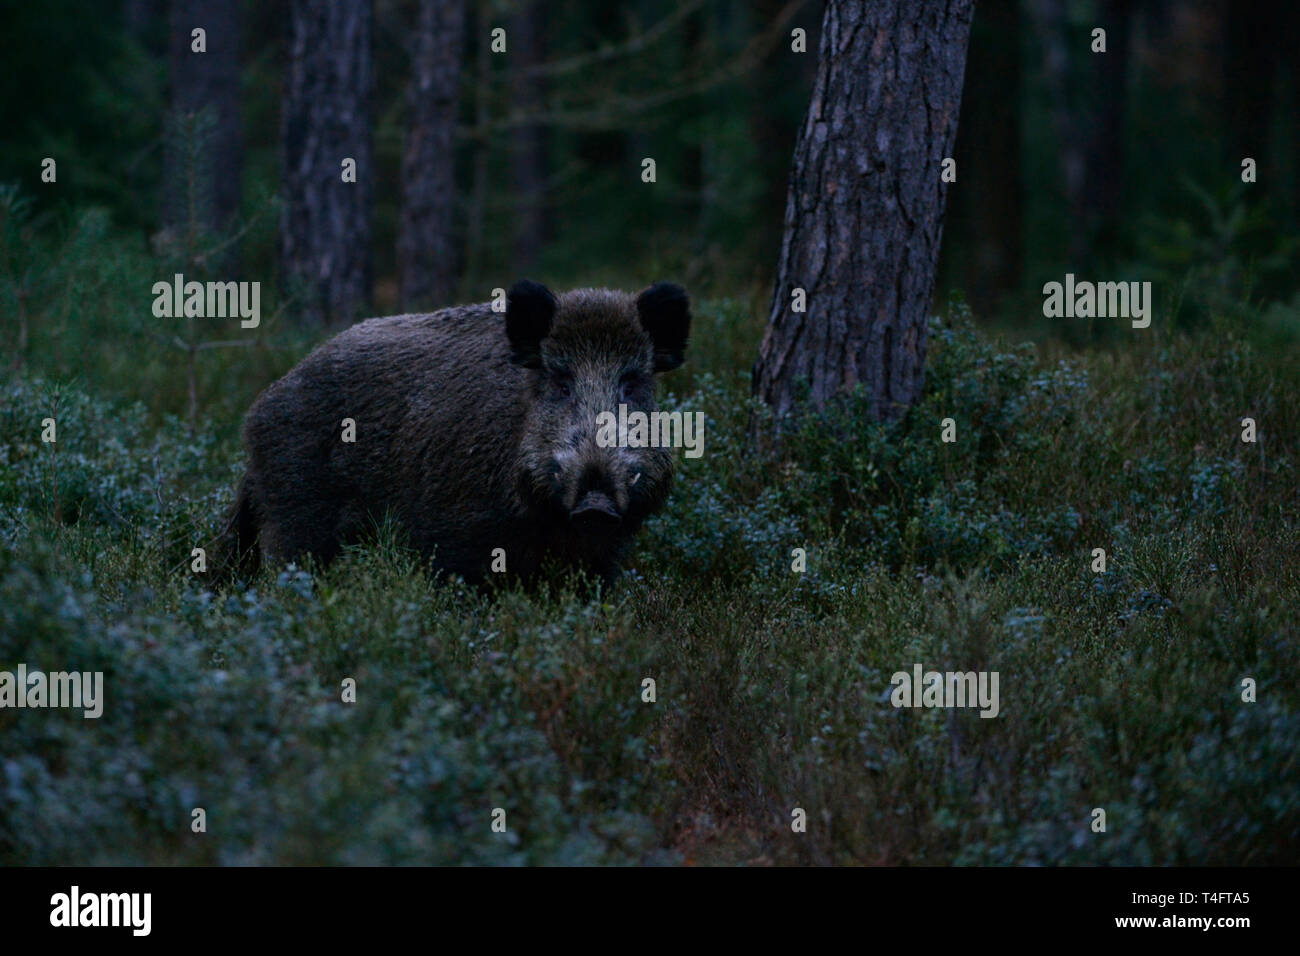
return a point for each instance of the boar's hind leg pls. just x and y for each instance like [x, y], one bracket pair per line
[299, 520]
[307, 532]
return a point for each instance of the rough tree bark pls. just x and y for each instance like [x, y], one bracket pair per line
[426, 251]
[203, 83]
[325, 226]
[864, 216]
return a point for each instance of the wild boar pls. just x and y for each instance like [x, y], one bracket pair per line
[473, 430]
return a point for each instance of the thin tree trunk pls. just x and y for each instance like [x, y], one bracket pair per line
[774, 118]
[139, 18]
[325, 228]
[1250, 49]
[1089, 105]
[1289, 55]
[528, 163]
[426, 251]
[205, 106]
[478, 190]
[987, 214]
[1104, 177]
[1067, 119]
[864, 217]
[695, 182]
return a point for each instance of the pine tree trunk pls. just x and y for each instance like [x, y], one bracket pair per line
[864, 217]
[426, 250]
[325, 228]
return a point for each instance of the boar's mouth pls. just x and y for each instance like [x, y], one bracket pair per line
[596, 514]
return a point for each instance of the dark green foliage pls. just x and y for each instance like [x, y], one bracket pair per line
[1119, 691]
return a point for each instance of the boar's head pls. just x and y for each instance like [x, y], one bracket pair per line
[587, 352]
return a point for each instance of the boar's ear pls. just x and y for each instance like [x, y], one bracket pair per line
[665, 312]
[530, 307]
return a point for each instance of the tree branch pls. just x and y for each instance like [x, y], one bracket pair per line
[617, 110]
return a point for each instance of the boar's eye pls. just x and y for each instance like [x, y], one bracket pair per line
[563, 385]
[628, 386]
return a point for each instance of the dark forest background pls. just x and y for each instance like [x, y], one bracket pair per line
[1123, 163]
[1115, 528]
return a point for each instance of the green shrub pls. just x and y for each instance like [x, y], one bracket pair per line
[1119, 690]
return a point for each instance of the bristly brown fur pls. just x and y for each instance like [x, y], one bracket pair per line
[465, 436]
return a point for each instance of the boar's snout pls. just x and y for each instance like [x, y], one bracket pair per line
[596, 513]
